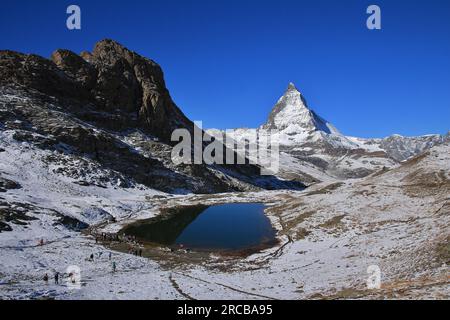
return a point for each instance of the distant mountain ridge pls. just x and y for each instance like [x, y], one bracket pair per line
[313, 150]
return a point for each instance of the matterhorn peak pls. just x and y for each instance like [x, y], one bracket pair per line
[292, 89]
[291, 86]
[293, 96]
[291, 113]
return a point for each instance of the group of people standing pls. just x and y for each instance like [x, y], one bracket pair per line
[56, 277]
[134, 246]
[107, 237]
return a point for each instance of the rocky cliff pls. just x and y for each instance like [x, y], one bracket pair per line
[111, 78]
[109, 116]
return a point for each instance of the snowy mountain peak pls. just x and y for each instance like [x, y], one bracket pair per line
[292, 86]
[292, 114]
[294, 96]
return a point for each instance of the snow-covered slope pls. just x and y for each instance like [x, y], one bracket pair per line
[42, 184]
[329, 235]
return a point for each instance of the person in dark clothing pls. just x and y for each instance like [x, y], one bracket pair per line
[57, 278]
[46, 278]
[92, 257]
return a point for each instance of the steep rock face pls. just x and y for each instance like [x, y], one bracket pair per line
[112, 78]
[76, 68]
[135, 84]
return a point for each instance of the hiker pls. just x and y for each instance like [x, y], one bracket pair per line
[57, 277]
[110, 255]
[114, 266]
[140, 252]
[91, 257]
[41, 242]
[46, 278]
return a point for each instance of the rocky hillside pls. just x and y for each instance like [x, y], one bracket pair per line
[105, 118]
[112, 79]
[396, 219]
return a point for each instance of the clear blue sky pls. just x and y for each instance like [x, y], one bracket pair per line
[226, 62]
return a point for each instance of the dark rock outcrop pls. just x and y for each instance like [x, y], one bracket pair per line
[133, 83]
[6, 184]
[76, 68]
[112, 78]
[34, 72]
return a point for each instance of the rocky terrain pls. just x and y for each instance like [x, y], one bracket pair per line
[85, 149]
[108, 117]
